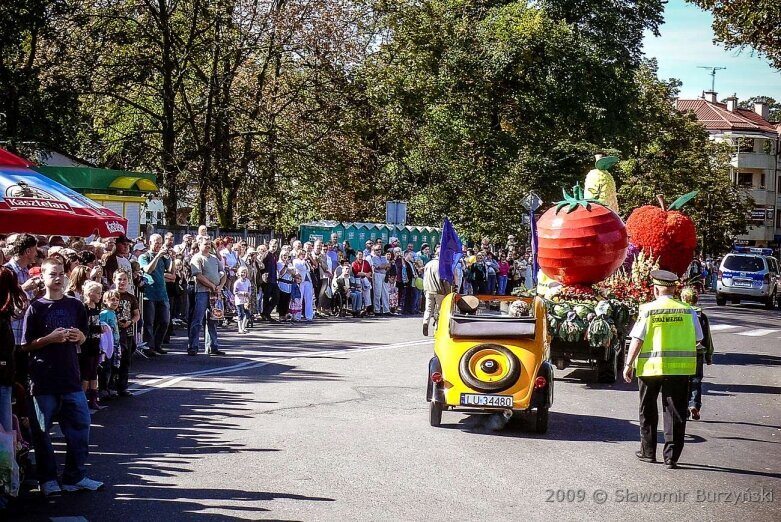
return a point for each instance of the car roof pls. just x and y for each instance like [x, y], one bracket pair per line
[735, 254]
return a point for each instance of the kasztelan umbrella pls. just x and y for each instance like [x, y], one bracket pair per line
[30, 202]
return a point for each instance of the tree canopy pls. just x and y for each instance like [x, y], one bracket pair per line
[747, 23]
[282, 111]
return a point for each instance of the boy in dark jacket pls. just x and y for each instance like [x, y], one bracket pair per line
[704, 354]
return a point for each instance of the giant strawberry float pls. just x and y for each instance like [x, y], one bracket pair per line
[580, 240]
[667, 234]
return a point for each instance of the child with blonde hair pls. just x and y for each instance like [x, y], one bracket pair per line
[242, 288]
[89, 355]
[296, 301]
[109, 316]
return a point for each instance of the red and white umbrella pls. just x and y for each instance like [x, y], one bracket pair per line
[30, 202]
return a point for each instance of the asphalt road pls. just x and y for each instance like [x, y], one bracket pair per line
[329, 422]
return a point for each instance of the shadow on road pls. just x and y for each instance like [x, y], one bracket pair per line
[167, 433]
[705, 467]
[713, 388]
[746, 359]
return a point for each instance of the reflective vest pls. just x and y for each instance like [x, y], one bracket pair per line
[670, 345]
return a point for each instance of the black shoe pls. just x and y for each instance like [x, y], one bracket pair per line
[644, 458]
[160, 351]
[670, 464]
[126, 393]
[192, 352]
[150, 353]
[217, 352]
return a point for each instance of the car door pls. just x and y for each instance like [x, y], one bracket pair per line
[774, 272]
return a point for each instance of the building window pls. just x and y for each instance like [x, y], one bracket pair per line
[767, 146]
[745, 179]
[762, 181]
[778, 219]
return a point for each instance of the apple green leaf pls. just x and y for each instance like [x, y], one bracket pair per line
[681, 201]
[606, 162]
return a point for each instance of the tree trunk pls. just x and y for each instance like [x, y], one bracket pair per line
[169, 164]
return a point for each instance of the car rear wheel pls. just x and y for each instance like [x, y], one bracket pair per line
[489, 368]
[434, 413]
[721, 300]
[541, 420]
[770, 302]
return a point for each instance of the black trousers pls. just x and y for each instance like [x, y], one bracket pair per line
[270, 298]
[284, 304]
[128, 344]
[675, 399]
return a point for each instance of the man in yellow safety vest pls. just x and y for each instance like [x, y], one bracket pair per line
[664, 354]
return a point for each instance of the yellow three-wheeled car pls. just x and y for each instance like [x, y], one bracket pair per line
[491, 355]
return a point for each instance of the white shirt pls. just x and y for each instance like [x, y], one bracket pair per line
[302, 267]
[241, 290]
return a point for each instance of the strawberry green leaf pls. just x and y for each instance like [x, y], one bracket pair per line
[681, 201]
[606, 162]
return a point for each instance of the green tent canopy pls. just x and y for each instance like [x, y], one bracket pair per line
[105, 181]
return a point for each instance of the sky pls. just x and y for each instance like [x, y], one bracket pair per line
[686, 42]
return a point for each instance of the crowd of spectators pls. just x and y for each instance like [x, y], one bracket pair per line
[75, 312]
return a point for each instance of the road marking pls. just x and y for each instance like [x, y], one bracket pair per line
[720, 327]
[760, 332]
[170, 380]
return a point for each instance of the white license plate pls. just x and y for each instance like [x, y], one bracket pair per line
[743, 283]
[486, 401]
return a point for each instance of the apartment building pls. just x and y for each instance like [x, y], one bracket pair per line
[756, 164]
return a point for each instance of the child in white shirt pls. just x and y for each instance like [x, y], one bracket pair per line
[241, 296]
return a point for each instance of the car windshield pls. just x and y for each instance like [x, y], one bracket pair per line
[495, 308]
[744, 263]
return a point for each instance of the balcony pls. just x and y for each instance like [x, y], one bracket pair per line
[761, 196]
[753, 160]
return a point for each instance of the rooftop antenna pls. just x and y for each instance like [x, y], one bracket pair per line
[712, 75]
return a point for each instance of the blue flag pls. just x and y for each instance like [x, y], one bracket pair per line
[449, 251]
[533, 234]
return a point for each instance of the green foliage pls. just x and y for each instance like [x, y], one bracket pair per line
[284, 112]
[36, 101]
[752, 23]
[489, 100]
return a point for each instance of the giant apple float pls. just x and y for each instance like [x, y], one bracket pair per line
[580, 240]
[665, 233]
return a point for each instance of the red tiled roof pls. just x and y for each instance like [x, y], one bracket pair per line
[715, 116]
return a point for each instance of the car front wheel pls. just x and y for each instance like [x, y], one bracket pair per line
[721, 300]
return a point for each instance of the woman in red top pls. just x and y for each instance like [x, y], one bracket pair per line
[504, 270]
[362, 270]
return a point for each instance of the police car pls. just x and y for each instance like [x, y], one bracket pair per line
[749, 274]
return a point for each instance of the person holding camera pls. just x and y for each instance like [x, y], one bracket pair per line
[156, 263]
